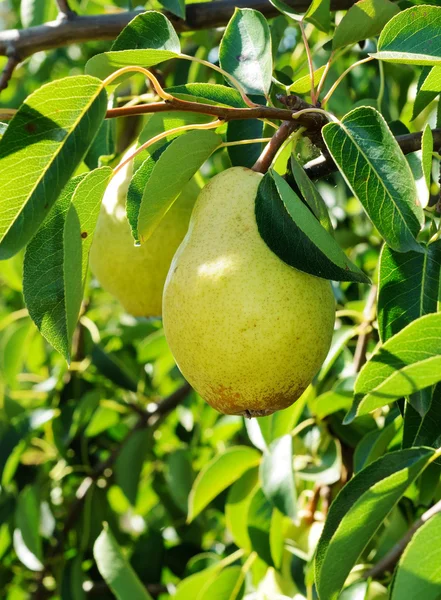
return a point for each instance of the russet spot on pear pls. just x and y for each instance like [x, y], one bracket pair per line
[247, 331]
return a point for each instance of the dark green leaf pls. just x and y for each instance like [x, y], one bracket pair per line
[149, 30]
[428, 90]
[293, 233]
[371, 161]
[259, 524]
[375, 443]
[246, 129]
[319, 14]
[176, 7]
[129, 464]
[237, 507]
[27, 538]
[208, 93]
[42, 147]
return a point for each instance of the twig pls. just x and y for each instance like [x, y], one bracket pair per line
[266, 158]
[388, 562]
[65, 10]
[5, 77]
[310, 63]
[365, 330]
[201, 15]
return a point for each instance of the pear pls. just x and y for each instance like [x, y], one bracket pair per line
[136, 275]
[247, 331]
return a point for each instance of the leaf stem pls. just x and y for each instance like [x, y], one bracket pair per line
[343, 75]
[157, 86]
[164, 134]
[233, 80]
[324, 75]
[310, 63]
[240, 142]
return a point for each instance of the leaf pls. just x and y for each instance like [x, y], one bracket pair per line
[365, 19]
[245, 51]
[326, 466]
[225, 586]
[319, 14]
[36, 12]
[27, 520]
[311, 195]
[161, 177]
[375, 443]
[358, 511]
[286, 9]
[56, 259]
[176, 7]
[246, 129]
[103, 144]
[149, 30]
[408, 362]
[303, 84]
[412, 37]
[409, 283]
[427, 431]
[237, 507]
[180, 476]
[223, 470]
[42, 147]
[428, 90]
[426, 155]
[115, 570]
[259, 525]
[371, 162]
[418, 574]
[208, 93]
[129, 464]
[103, 65]
[277, 476]
[294, 234]
[414, 160]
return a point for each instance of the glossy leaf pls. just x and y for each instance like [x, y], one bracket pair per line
[27, 519]
[303, 84]
[412, 37]
[277, 476]
[245, 51]
[246, 129]
[358, 511]
[418, 574]
[326, 467]
[42, 147]
[148, 30]
[428, 90]
[208, 93]
[426, 429]
[161, 177]
[226, 585]
[223, 470]
[319, 14]
[292, 232]
[103, 65]
[409, 284]
[56, 259]
[129, 464]
[370, 160]
[237, 507]
[259, 524]
[375, 443]
[408, 362]
[363, 20]
[176, 7]
[115, 569]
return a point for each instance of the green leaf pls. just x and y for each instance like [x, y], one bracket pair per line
[129, 464]
[208, 93]
[311, 195]
[225, 586]
[426, 155]
[413, 37]
[375, 443]
[223, 470]
[418, 574]
[371, 161]
[428, 90]
[180, 476]
[246, 129]
[42, 147]
[27, 520]
[245, 51]
[286, 9]
[161, 177]
[176, 7]
[277, 476]
[326, 466]
[409, 283]
[363, 20]
[37, 12]
[103, 145]
[191, 586]
[330, 402]
[303, 84]
[415, 162]
[319, 14]
[115, 570]
[259, 524]
[427, 431]
[237, 507]
[149, 30]
[56, 259]
[408, 362]
[103, 65]
[358, 511]
[292, 232]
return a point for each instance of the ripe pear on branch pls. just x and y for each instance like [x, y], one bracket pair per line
[135, 275]
[248, 331]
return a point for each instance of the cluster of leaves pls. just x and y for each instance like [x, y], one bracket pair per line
[95, 494]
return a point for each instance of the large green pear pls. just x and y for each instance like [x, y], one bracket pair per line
[136, 274]
[247, 331]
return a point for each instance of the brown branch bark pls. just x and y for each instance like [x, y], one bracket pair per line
[65, 10]
[264, 161]
[201, 15]
[6, 75]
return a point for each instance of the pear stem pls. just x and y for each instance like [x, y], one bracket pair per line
[264, 161]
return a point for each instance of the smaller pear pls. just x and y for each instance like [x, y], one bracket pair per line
[135, 275]
[247, 331]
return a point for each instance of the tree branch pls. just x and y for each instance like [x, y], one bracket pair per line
[6, 75]
[65, 10]
[201, 15]
[264, 161]
[388, 562]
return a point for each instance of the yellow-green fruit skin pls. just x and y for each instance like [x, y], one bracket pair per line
[136, 275]
[247, 331]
